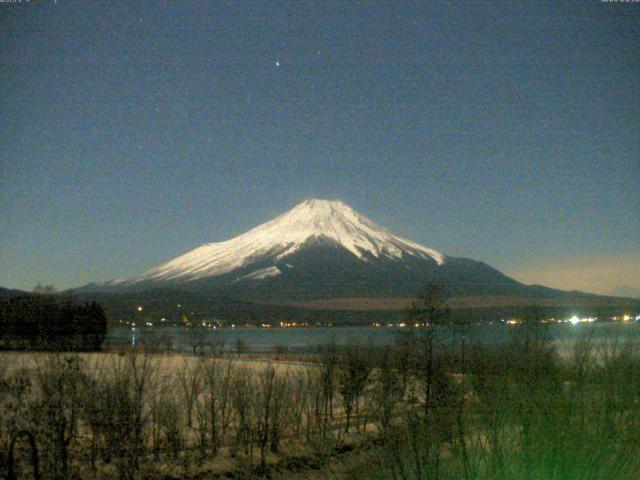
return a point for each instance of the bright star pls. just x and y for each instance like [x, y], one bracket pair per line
[277, 64]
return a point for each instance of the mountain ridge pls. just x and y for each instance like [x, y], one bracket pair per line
[314, 219]
[323, 249]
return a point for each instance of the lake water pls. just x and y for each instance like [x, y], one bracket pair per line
[308, 339]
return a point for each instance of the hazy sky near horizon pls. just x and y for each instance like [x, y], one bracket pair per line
[133, 132]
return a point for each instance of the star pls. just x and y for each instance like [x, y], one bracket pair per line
[277, 63]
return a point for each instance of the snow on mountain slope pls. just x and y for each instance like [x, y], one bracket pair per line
[262, 274]
[312, 219]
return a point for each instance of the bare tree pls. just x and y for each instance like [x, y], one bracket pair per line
[388, 389]
[299, 400]
[241, 394]
[212, 382]
[35, 459]
[191, 384]
[427, 312]
[353, 374]
[121, 412]
[166, 420]
[327, 378]
[269, 408]
[198, 337]
[57, 411]
[16, 421]
[315, 405]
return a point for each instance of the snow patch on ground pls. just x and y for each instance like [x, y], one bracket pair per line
[262, 274]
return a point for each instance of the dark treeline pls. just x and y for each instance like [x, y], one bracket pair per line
[46, 322]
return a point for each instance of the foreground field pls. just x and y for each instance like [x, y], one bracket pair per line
[414, 410]
[169, 363]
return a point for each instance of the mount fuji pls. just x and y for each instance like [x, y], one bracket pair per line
[323, 261]
[310, 224]
[320, 249]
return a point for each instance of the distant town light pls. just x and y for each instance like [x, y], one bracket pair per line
[139, 308]
[574, 320]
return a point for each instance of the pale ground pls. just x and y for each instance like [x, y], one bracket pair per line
[172, 362]
[168, 363]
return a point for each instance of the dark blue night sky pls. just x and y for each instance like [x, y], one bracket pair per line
[135, 131]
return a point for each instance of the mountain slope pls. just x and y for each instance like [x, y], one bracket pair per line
[12, 292]
[324, 262]
[322, 250]
[319, 220]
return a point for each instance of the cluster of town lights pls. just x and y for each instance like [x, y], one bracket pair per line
[293, 324]
[574, 320]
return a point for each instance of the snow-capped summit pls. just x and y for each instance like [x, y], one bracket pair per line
[308, 222]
